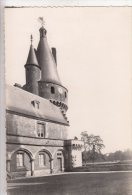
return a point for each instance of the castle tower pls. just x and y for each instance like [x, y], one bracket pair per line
[50, 86]
[32, 69]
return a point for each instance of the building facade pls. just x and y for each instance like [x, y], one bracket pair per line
[36, 121]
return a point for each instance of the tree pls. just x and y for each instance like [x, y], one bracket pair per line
[75, 138]
[119, 155]
[93, 144]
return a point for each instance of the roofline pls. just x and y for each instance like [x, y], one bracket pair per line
[32, 65]
[35, 117]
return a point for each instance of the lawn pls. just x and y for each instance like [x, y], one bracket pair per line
[112, 183]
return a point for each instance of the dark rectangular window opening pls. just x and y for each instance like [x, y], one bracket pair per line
[52, 90]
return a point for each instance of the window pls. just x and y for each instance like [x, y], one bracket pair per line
[41, 130]
[42, 160]
[35, 103]
[65, 95]
[52, 89]
[20, 160]
[59, 153]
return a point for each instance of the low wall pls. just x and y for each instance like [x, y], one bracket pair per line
[104, 167]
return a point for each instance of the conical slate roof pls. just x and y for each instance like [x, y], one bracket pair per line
[46, 60]
[32, 56]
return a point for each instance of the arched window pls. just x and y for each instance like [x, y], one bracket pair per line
[52, 90]
[65, 94]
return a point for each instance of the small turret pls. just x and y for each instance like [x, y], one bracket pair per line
[32, 69]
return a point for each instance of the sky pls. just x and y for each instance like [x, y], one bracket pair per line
[94, 47]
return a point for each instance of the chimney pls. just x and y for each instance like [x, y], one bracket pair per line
[54, 54]
[18, 85]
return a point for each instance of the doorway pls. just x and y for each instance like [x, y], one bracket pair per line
[59, 160]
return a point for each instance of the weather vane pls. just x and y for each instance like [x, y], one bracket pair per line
[41, 20]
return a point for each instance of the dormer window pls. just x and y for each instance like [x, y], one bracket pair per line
[35, 103]
[52, 90]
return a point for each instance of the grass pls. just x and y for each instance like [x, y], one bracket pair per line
[118, 166]
[119, 183]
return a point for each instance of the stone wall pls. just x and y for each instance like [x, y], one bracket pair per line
[60, 92]
[22, 137]
[21, 125]
[31, 154]
[32, 77]
[73, 150]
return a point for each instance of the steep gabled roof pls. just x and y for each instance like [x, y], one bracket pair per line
[46, 60]
[21, 102]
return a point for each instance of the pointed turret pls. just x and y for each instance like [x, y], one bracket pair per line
[32, 56]
[32, 71]
[46, 60]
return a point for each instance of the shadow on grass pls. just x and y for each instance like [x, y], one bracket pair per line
[74, 184]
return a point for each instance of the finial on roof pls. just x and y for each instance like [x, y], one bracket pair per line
[42, 29]
[32, 56]
[31, 37]
[41, 20]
